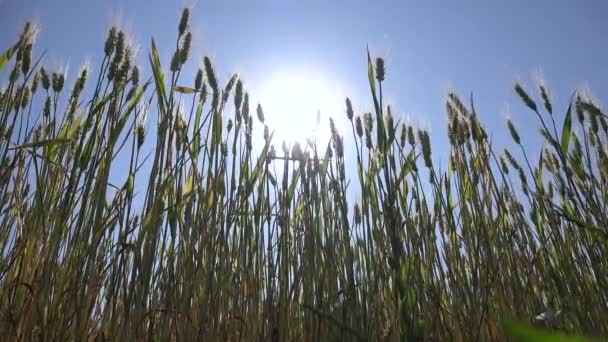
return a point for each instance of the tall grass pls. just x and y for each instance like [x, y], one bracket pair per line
[228, 241]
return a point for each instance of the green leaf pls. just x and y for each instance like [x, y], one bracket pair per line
[153, 216]
[448, 188]
[258, 168]
[210, 199]
[371, 78]
[6, 56]
[73, 128]
[67, 131]
[123, 119]
[86, 153]
[295, 180]
[184, 90]
[566, 130]
[539, 172]
[106, 99]
[407, 166]
[570, 215]
[159, 78]
[188, 185]
[450, 168]
[522, 332]
[378, 237]
[197, 129]
[216, 134]
[129, 185]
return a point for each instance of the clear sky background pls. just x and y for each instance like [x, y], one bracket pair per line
[430, 47]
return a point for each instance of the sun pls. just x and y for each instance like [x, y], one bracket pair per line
[298, 103]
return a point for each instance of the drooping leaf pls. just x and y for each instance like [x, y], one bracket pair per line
[67, 131]
[42, 143]
[7, 55]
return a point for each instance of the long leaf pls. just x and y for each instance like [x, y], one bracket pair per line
[197, 130]
[159, 78]
[41, 143]
[567, 130]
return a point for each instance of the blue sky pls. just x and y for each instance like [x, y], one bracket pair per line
[467, 46]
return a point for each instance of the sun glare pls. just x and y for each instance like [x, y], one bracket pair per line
[298, 104]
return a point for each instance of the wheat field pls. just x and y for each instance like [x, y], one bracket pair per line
[240, 237]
